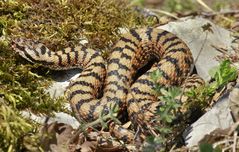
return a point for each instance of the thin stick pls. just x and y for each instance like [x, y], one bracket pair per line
[226, 141]
[164, 12]
[205, 5]
[200, 51]
[233, 128]
[234, 141]
[229, 12]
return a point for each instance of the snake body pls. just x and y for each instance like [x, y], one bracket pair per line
[133, 50]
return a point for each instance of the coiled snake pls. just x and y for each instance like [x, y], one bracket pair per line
[133, 50]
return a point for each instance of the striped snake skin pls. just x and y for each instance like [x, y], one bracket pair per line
[133, 50]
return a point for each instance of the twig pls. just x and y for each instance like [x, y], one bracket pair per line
[152, 131]
[200, 51]
[209, 14]
[137, 133]
[220, 49]
[226, 149]
[233, 128]
[234, 141]
[172, 148]
[222, 142]
[164, 12]
[201, 2]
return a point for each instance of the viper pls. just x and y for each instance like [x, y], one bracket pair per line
[115, 78]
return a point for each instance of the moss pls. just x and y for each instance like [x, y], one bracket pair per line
[12, 128]
[64, 23]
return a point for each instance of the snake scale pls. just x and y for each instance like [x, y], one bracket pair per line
[133, 50]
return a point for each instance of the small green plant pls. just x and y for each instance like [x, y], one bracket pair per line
[165, 115]
[221, 75]
[103, 119]
[168, 97]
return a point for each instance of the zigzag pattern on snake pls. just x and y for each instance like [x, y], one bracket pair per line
[133, 50]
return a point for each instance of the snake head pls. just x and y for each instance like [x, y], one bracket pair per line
[29, 49]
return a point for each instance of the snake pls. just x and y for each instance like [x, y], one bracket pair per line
[104, 84]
